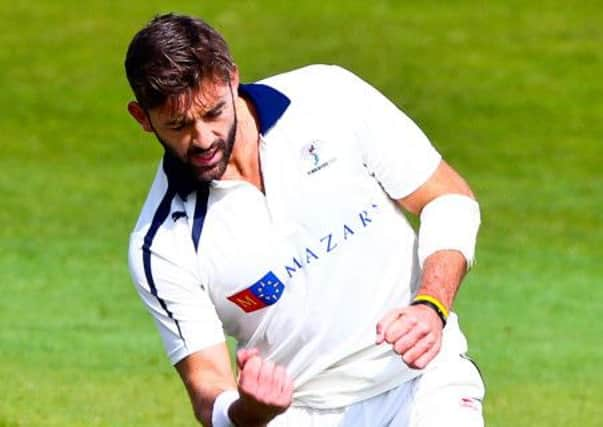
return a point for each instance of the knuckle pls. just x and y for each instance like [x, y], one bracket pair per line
[423, 328]
[253, 364]
[399, 347]
[390, 338]
[393, 313]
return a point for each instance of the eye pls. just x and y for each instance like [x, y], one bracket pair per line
[179, 125]
[213, 114]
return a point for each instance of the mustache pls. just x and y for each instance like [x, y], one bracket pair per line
[195, 150]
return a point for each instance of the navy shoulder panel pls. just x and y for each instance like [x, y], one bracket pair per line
[270, 104]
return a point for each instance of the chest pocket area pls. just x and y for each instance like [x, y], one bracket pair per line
[331, 182]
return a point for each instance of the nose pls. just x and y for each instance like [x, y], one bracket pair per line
[203, 137]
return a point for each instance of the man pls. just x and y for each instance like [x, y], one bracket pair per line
[276, 217]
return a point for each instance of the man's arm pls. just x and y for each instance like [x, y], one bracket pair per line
[205, 375]
[415, 332]
[265, 390]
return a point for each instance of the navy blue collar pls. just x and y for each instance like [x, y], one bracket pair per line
[269, 104]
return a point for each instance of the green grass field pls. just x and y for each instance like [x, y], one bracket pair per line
[510, 92]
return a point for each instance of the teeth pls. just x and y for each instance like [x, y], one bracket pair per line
[209, 155]
[205, 157]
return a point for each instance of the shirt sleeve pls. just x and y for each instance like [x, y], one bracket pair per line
[174, 295]
[393, 147]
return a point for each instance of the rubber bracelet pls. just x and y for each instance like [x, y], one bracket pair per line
[434, 303]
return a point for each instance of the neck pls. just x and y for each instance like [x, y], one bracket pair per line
[244, 163]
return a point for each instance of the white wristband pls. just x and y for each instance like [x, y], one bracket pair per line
[449, 222]
[219, 415]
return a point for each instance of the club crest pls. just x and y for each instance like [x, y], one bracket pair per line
[314, 156]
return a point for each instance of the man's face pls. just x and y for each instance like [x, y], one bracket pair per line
[200, 133]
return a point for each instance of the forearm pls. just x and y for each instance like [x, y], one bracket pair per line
[443, 272]
[449, 222]
[203, 396]
[203, 393]
[205, 375]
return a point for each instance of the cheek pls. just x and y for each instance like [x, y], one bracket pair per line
[177, 143]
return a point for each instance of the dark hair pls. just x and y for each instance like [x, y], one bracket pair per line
[172, 55]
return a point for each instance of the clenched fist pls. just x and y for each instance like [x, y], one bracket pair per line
[415, 333]
[265, 390]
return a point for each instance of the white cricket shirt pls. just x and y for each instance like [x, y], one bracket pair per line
[305, 270]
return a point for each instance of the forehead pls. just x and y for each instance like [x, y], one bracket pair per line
[195, 101]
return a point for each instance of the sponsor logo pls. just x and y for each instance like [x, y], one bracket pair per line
[269, 289]
[313, 156]
[332, 241]
[266, 291]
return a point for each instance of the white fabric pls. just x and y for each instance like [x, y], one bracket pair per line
[325, 228]
[219, 415]
[448, 393]
[449, 222]
[175, 269]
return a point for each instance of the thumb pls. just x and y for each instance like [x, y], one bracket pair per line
[385, 322]
[244, 354]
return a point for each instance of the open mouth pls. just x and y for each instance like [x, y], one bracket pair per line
[207, 158]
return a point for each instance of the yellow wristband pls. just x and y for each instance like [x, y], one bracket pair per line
[434, 301]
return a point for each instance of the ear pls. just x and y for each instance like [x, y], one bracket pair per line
[140, 116]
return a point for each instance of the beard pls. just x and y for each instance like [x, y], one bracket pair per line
[206, 173]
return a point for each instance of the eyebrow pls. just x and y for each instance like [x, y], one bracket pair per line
[180, 119]
[175, 121]
[216, 107]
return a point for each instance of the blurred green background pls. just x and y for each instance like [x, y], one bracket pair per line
[510, 92]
